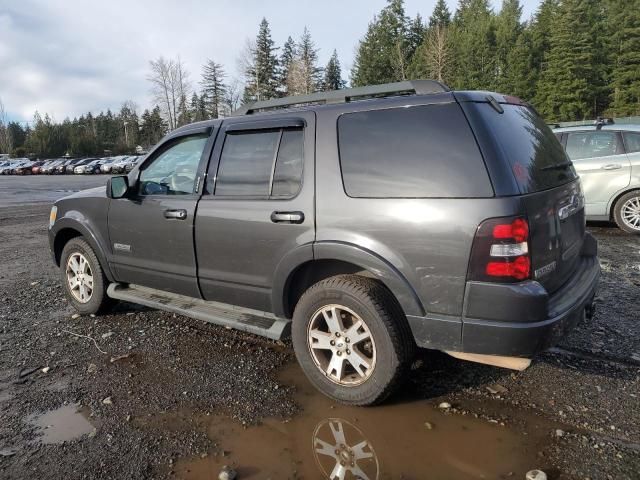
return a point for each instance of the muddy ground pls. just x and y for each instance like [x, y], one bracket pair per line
[145, 394]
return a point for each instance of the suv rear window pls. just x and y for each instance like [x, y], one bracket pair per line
[536, 157]
[420, 151]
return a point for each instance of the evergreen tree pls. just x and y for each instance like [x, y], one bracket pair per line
[624, 21]
[383, 54]
[333, 74]
[473, 44]
[415, 36]
[508, 30]
[286, 59]
[262, 72]
[202, 106]
[194, 111]
[213, 88]
[567, 89]
[521, 74]
[184, 116]
[441, 15]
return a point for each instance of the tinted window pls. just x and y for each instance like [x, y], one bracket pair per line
[632, 141]
[422, 151]
[288, 172]
[593, 144]
[529, 147]
[246, 163]
[173, 172]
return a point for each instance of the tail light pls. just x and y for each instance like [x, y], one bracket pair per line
[500, 251]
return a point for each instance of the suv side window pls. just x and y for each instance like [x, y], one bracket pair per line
[174, 171]
[261, 163]
[593, 144]
[420, 151]
[632, 141]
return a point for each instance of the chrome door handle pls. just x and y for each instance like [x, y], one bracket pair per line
[287, 217]
[612, 166]
[180, 214]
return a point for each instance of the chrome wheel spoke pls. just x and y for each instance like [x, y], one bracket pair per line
[335, 365]
[357, 333]
[79, 277]
[320, 340]
[324, 448]
[359, 362]
[359, 453]
[338, 472]
[332, 317]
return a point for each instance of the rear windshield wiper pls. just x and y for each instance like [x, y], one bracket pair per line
[557, 166]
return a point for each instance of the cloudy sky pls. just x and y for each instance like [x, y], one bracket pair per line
[69, 57]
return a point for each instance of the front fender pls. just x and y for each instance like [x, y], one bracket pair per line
[75, 220]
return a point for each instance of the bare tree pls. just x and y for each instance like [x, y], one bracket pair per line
[437, 52]
[232, 97]
[169, 84]
[5, 137]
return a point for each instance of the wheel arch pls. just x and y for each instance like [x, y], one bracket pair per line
[335, 258]
[617, 197]
[67, 229]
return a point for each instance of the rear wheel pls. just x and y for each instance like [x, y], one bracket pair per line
[83, 278]
[352, 339]
[626, 212]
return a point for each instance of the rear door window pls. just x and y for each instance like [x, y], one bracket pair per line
[632, 141]
[528, 145]
[593, 144]
[419, 151]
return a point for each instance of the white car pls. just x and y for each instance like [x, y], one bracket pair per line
[607, 158]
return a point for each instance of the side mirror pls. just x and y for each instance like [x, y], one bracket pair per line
[117, 187]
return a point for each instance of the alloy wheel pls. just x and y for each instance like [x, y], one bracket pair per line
[79, 277]
[630, 213]
[341, 345]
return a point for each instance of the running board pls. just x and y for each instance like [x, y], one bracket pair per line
[244, 319]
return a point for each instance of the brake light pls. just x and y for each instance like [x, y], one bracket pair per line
[500, 251]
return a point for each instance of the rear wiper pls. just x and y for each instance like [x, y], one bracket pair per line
[557, 166]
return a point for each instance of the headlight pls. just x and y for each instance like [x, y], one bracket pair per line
[52, 216]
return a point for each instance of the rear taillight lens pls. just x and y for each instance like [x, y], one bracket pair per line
[500, 251]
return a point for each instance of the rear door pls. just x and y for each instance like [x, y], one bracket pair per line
[151, 231]
[599, 158]
[258, 208]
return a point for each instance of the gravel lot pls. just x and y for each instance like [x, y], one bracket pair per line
[175, 398]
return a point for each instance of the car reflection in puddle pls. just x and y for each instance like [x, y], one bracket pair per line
[409, 439]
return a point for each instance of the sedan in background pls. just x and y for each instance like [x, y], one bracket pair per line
[607, 158]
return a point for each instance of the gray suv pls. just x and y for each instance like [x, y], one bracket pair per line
[607, 158]
[362, 222]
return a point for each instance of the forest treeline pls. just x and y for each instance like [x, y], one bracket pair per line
[573, 60]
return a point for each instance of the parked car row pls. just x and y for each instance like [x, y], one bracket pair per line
[60, 166]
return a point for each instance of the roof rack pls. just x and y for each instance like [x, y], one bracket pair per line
[600, 122]
[409, 87]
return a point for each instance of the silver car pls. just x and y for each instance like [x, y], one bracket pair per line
[607, 158]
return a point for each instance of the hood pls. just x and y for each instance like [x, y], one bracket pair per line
[97, 192]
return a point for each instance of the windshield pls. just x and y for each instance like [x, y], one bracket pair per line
[537, 159]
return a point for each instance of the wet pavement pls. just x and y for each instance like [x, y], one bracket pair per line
[187, 398]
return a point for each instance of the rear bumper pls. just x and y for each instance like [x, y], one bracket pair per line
[518, 320]
[517, 338]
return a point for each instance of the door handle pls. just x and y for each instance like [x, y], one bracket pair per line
[179, 214]
[287, 217]
[612, 166]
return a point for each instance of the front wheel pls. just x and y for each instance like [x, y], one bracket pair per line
[626, 212]
[84, 281]
[352, 339]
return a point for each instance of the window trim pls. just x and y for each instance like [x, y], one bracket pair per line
[624, 134]
[167, 145]
[277, 124]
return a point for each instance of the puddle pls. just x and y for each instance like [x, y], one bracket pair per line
[410, 440]
[63, 424]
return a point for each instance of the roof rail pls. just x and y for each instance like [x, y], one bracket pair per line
[409, 87]
[600, 122]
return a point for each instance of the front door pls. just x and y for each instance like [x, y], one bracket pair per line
[151, 230]
[258, 210]
[598, 157]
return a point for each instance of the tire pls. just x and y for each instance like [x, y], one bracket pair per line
[95, 300]
[625, 211]
[388, 350]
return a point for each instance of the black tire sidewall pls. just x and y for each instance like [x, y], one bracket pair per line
[98, 295]
[617, 211]
[387, 360]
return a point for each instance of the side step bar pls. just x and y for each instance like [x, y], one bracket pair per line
[244, 319]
